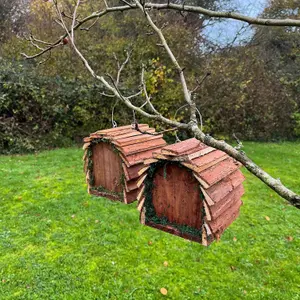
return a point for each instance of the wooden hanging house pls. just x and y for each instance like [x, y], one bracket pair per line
[191, 190]
[114, 157]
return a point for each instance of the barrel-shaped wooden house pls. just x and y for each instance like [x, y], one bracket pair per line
[114, 157]
[190, 190]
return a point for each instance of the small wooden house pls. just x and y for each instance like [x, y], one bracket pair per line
[190, 190]
[114, 157]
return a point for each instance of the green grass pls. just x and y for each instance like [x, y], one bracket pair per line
[58, 242]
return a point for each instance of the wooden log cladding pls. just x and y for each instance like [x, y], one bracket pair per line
[183, 148]
[216, 173]
[224, 187]
[136, 139]
[114, 157]
[194, 186]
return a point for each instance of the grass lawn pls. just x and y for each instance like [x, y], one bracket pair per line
[58, 242]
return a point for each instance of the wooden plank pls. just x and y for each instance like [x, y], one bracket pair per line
[143, 215]
[132, 172]
[137, 158]
[141, 147]
[120, 130]
[158, 156]
[131, 133]
[220, 190]
[182, 147]
[125, 171]
[85, 146]
[204, 237]
[137, 139]
[130, 197]
[202, 182]
[207, 211]
[209, 158]
[217, 172]
[150, 161]
[109, 130]
[227, 202]
[143, 170]
[87, 140]
[208, 199]
[141, 180]
[204, 162]
[223, 221]
[131, 185]
[95, 136]
[141, 204]
[140, 192]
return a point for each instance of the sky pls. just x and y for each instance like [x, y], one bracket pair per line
[225, 32]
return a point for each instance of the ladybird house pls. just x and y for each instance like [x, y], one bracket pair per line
[191, 190]
[114, 157]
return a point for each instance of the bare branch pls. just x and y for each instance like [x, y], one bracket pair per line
[148, 98]
[240, 156]
[121, 67]
[192, 126]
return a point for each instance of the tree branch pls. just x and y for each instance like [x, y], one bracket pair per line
[192, 126]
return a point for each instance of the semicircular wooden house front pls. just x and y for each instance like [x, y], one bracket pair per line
[113, 158]
[191, 190]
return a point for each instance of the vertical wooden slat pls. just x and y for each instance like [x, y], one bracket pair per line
[176, 196]
[107, 167]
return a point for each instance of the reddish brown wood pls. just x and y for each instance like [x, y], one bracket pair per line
[184, 147]
[132, 172]
[216, 173]
[220, 190]
[141, 147]
[137, 158]
[206, 159]
[131, 184]
[226, 202]
[136, 139]
[223, 221]
[176, 196]
[130, 197]
[131, 134]
[114, 132]
[107, 167]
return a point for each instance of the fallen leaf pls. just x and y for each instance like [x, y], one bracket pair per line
[289, 238]
[150, 243]
[3, 280]
[234, 239]
[85, 204]
[233, 268]
[164, 291]
[166, 263]
[267, 218]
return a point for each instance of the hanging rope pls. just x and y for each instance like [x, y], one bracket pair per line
[113, 122]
